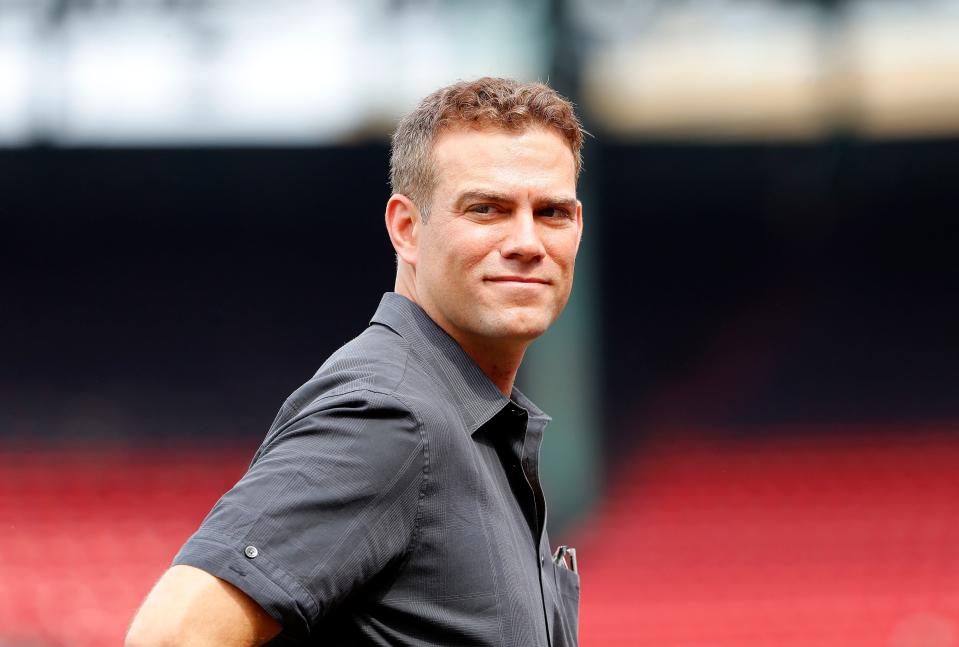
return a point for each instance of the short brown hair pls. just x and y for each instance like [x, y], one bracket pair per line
[485, 102]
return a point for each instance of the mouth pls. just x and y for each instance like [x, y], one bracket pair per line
[518, 279]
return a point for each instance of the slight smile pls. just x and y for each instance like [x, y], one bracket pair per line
[517, 279]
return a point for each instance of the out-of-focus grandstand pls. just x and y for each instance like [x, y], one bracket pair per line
[755, 388]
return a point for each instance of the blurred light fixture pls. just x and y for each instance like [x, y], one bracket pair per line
[753, 70]
[712, 70]
[287, 72]
[16, 61]
[905, 66]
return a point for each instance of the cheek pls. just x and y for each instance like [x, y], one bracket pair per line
[451, 258]
[467, 248]
[562, 249]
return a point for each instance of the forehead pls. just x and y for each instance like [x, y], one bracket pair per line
[532, 157]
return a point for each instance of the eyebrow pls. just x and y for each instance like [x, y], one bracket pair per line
[561, 201]
[495, 196]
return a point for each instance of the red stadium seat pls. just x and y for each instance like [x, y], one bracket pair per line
[819, 537]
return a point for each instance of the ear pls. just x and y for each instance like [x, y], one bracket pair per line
[403, 225]
[579, 222]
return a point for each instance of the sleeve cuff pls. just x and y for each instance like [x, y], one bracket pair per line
[249, 569]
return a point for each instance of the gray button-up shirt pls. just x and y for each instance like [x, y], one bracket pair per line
[396, 501]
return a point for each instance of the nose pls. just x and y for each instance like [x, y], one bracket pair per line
[523, 240]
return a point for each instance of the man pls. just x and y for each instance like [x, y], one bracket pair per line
[396, 498]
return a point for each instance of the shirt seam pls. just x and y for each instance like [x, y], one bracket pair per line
[306, 411]
[424, 442]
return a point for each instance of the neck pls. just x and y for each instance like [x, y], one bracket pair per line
[499, 361]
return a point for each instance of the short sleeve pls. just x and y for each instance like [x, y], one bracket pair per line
[329, 502]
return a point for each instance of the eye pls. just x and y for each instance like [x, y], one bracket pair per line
[554, 212]
[483, 209]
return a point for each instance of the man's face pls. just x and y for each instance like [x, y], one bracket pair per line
[495, 260]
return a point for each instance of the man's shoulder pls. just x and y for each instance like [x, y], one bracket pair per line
[355, 394]
[375, 361]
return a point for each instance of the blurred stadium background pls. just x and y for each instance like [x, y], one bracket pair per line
[755, 387]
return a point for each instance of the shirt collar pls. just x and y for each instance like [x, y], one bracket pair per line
[478, 397]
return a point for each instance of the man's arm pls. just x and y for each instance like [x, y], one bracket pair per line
[192, 608]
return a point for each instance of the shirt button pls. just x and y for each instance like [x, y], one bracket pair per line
[251, 551]
[542, 559]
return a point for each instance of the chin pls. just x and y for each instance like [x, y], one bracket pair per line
[526, 329]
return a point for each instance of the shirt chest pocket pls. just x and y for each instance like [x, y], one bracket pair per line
[565, 625]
